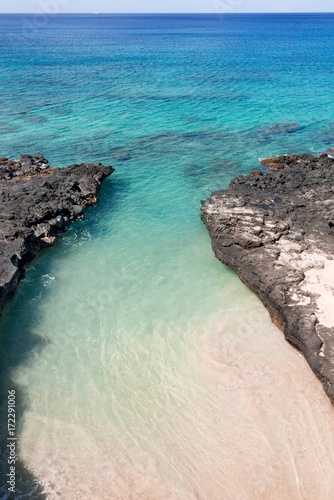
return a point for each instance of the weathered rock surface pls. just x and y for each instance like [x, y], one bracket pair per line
[276, 230]
[36, 204]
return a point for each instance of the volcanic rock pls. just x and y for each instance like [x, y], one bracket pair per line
[37, 203]
[276, 230]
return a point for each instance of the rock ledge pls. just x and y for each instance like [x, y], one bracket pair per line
[276, 230]
[36, 204]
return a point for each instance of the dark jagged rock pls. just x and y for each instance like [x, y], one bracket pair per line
[276, 230]
[36, 204]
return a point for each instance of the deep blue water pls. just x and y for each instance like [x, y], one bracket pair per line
[83, 85]
[130, 313]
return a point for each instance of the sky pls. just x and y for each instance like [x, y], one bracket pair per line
[168, 6]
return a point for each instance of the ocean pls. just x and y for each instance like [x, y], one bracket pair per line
[143, 368]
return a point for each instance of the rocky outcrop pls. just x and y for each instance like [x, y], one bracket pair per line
[36, 204]
[276, 230]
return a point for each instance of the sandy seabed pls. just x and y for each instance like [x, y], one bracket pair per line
[240, 416]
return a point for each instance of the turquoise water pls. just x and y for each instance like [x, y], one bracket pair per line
[144, 368]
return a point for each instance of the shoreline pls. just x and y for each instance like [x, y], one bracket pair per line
[37, 204]
[276, 230]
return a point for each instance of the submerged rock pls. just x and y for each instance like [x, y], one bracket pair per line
[36, 204]
[276, 230]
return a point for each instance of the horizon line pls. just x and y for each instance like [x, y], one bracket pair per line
[163, 13]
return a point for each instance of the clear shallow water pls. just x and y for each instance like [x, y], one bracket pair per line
[145, 369]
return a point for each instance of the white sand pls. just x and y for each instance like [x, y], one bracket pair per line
[321, 282]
